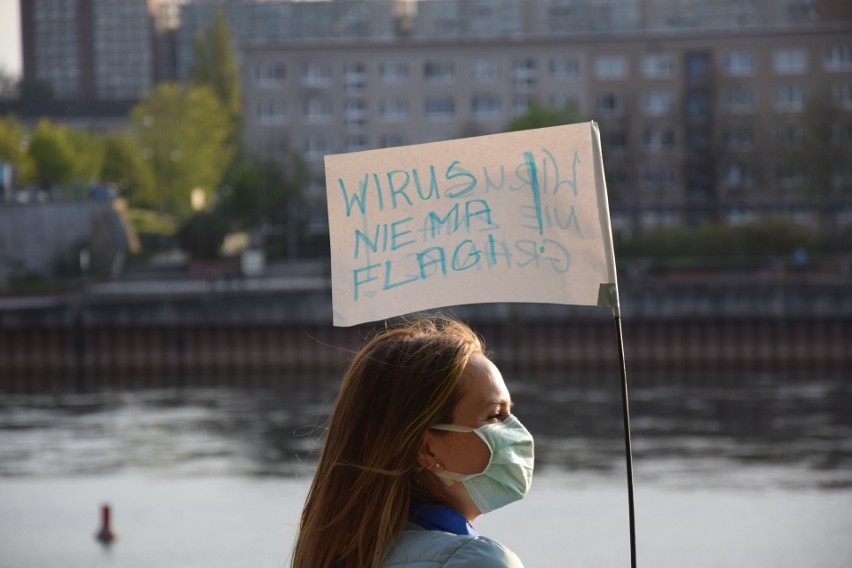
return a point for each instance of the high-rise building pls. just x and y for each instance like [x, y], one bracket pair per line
[88, 50]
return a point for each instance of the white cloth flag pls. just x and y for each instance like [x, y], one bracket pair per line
[512, 217]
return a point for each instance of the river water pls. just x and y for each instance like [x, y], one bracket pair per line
[741, 474]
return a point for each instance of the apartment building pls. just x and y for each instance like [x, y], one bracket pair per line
[693, 96]
[88, 50]
[689, 120]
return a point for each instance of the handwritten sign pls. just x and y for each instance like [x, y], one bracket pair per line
[512, 217]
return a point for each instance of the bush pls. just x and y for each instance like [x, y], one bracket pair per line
[767, 238]
[201, 236]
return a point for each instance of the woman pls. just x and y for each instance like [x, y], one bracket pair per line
[421, 442]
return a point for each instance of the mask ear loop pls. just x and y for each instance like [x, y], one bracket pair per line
[452, 428]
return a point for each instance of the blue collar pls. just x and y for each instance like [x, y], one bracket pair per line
[441, 518]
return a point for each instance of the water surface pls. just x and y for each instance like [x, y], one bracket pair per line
[757, 473]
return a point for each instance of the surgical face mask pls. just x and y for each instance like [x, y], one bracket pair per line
[508, 475]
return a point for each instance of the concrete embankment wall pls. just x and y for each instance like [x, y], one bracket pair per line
[234, 337]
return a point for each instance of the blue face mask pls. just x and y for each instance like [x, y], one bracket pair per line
[508, 475]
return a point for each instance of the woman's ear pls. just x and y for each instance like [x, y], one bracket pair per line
[426, 457]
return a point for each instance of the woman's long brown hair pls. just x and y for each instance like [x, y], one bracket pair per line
[402, 381]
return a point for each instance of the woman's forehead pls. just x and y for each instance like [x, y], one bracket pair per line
[483, 383]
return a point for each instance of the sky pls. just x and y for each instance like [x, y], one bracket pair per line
[10, 37]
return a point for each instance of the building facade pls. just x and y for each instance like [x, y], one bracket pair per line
[690, 121]
[699, 101]
[88, 50]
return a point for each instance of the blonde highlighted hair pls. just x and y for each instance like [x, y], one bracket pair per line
[403, 380]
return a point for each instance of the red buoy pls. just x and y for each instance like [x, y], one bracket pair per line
[106, 535]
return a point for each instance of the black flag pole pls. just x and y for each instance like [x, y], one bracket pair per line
[608, 296]
[628, 445]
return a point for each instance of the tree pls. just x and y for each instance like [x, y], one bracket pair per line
[52, 154]
[88, 153]
[825, 149]
[13, 147]
[188, 138]
[541, 116]
[125, 167]
[216, 66]
[202, 234]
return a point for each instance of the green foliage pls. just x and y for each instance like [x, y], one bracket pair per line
[768, 238]
[202, 235]
[88, 153]
[147, 222]
[541, 116]
[124, 167]
[12, 147]
[255, 193]
[189, 139]
[216, 66]
[820, 151]
[52, 154]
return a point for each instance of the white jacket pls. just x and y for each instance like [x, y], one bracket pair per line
[422, 548]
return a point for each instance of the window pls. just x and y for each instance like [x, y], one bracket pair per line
[393, 109]
[521, 104]
[842, 96]
[356, 142]
[658, 65]
[392, 140]
[272, 147]
[485, 70]
[658, 103]
[614, 140]
[738, 100]
[656, 140]
[316, 147]
[657, 177]
[610, 104]
[838, 58]
[564, 68]
[485, 106]
[393, 71]
[355, 113]
[564, 101]
[737, 176]
[697, 66]
[611, 67]
[790, 98]
[354, 77]
[698, 108]
[269, 74]
[438, 70]
[524, 74]
[790, 61]
[318, 109]
[740, 137]
[316, 73]
[740, 63]
[440, 107]
[789, 135]
[788, 176]
[270, 112]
